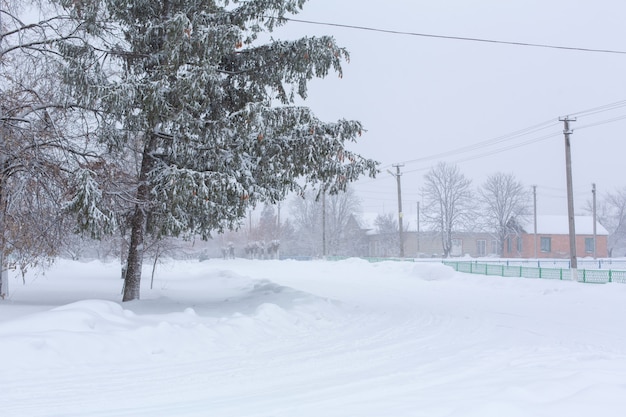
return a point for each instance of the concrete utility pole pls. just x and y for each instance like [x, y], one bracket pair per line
[418, 229]
[398, 174]
[570, 196]
[535, 217]
[593, 191]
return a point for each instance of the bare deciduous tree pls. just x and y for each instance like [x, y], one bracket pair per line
[42, 140]
[307, 213]
[448, 202]
[387, 229]
[504, 202]
[611, 213]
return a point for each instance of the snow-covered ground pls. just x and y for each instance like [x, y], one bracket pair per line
[288, 338]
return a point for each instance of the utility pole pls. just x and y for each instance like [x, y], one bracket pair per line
[570, 196]
[418, 229]
[593, 191]
[535, 217]
[398, 174]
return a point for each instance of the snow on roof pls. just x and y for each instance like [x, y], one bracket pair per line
[559, 225]
[546, 224]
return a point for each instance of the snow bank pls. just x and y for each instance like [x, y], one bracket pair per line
[271, 338]
[433, 271]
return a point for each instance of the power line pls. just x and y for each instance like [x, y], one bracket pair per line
[457, 38]
[519, 133]
[515, 135]
[494, 151]
[488, 142]
[600, 109]
[602, 122]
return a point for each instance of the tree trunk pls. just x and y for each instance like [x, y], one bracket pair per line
[132, 279]
[4, 268]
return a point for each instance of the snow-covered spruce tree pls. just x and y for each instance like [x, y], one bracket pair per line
[212, 107]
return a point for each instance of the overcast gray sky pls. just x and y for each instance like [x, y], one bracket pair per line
[421, 97]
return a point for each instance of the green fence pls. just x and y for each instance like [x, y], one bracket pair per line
[596, 276]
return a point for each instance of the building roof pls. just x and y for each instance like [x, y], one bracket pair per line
[559, 225]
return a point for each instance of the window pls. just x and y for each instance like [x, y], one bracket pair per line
[481, 247]
[519, 245]
[589, 245]
[495, 248]
[546, 244]
[508, 245]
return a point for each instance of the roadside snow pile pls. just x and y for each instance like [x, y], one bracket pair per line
[191, 313]
[433, 271]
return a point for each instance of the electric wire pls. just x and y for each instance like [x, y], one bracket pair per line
[520, 133]
[488, 143]
[456, 38]
[599, 109]
[504, 138]
[602, 122]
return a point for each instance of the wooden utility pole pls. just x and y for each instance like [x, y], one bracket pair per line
[570, 196]
[398, 174]
[535, 217]
[593, 191]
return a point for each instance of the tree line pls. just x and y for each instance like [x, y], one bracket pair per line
[501, 206]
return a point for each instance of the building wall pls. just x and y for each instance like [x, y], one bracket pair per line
[428, 244]
[560, 246]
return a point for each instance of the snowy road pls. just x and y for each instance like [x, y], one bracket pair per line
[350, 338]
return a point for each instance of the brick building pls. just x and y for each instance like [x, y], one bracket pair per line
[552, 239]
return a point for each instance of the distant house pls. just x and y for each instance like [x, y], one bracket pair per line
[552, 241]
[428, 244]
[552, 238]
